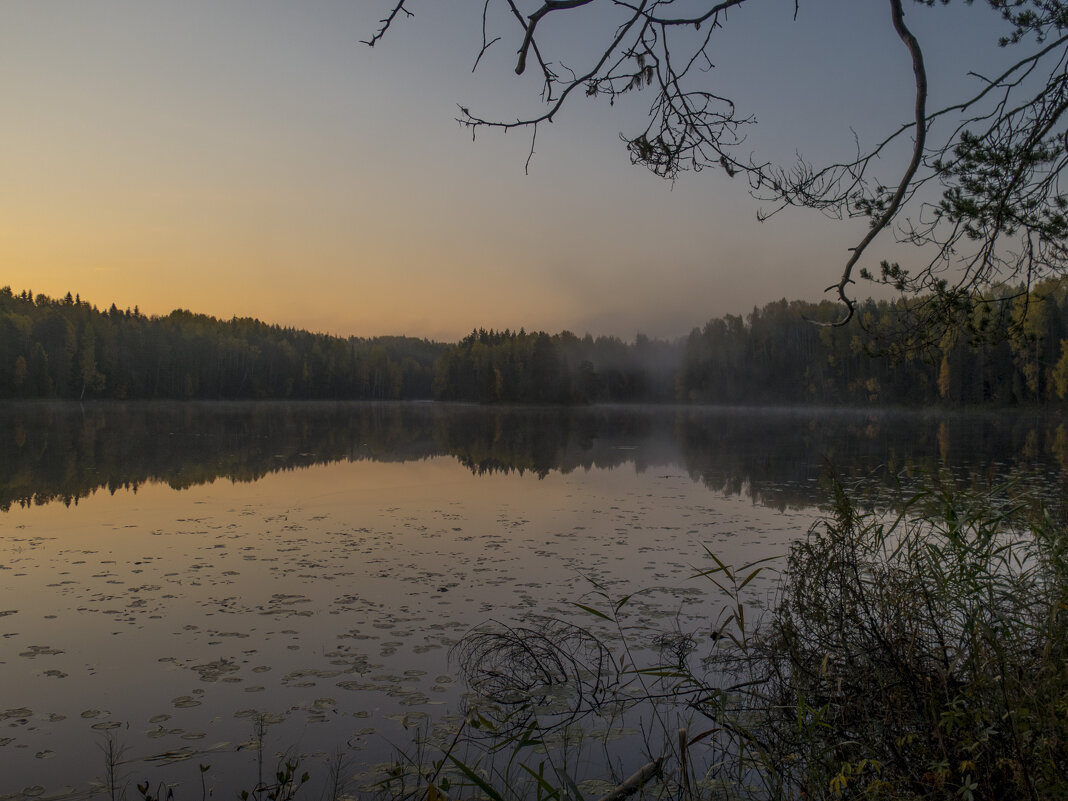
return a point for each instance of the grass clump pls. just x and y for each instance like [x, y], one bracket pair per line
[920, 654]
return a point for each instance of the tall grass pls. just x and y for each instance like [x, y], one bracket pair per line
[920, 654]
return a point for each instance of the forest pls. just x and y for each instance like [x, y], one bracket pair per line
[1007, 353]
[69, 349]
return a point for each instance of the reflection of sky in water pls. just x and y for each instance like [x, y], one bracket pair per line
[327, 596]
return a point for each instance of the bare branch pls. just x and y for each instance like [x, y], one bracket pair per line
[386, 22]
[532, 23]
[997, 155]
[920, 75]
[486, 43]
[530, 155]
[473, 122]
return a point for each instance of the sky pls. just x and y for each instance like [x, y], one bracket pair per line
[252, 158]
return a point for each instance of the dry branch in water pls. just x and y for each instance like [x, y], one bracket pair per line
[547, 667]
[635, 782]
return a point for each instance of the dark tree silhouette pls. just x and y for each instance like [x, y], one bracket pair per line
[996, 156]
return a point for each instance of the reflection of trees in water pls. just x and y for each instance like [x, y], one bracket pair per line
[541, 440]
[779, 457]
[62, 452]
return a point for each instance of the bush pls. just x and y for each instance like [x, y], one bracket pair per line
[920, 656]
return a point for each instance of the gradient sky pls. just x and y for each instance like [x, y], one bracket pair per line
[252, 158]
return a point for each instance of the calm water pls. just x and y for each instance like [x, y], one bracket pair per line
[170, 572]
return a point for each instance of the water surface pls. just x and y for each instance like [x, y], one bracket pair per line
[170, 572]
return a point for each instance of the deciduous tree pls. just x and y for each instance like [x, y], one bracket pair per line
[984, 170]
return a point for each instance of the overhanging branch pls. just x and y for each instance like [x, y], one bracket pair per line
[920, 75]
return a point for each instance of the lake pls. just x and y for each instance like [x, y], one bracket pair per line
[170, 574]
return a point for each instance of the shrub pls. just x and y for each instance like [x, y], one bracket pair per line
[916, 656]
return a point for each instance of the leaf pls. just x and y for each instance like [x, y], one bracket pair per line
[661, 673]
[575, 792]
[591, 610]
[772, 558]
[750, 577]
[720, 567]
[539, 777]
[698, 737]
[478, 780]
[603, 590]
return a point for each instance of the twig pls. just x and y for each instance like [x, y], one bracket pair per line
[386, 22]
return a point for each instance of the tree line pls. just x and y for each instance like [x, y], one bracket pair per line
[69, 349]
[1010, 351]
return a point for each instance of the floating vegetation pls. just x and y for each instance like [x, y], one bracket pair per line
[333, 594]
[359, 685]
[161, 732]
[172, 756]
[213, 671]
[40, 650]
